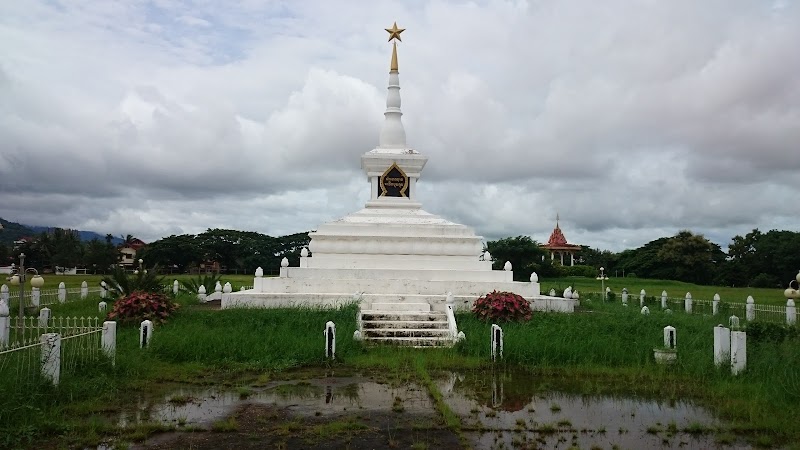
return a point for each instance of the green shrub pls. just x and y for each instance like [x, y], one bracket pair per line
[580, 271]
[122, 284]
[209, 281]
[770, 332]
[140, 305]
[502, 307]
[764, 280]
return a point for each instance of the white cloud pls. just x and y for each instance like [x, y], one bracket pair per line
[630, 120]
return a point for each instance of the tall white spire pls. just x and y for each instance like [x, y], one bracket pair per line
[393, 135]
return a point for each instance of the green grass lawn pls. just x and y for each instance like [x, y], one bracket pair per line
[676, 289]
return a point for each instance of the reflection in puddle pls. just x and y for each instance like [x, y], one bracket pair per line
[496, 409]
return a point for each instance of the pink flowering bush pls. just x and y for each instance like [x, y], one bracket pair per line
[140, 305]
[502, 307]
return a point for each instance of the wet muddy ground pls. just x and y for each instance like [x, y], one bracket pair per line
[495, 410]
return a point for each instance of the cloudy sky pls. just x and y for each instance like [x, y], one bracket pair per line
[630, 119]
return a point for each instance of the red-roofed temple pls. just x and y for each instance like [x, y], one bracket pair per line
[557, 245]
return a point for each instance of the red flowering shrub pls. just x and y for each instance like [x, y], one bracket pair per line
[140, 305]
[502, 307]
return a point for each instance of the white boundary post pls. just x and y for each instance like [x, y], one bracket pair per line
[330, 340]
[738, 351]
[108, 340]
[722, 345]
[51, 357]
[497, 342]
[145, 333]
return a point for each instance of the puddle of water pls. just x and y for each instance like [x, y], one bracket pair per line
[319, 397]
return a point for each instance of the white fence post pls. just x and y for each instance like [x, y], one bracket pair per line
[624, 296]
[101, 307]
[44, 317]
[175, 287]
[108, 340]
[645, 311]
[733, 322]
[330, 340]
[791, 312]
[497, 342]
[84, 290]
[715, 305]
[642, 294]
[687, 303]
[145, 333]
[750, 309]
[722, 345]
[663, 299]
[103, 289]
[738, 351]
[62, 292]
[51, 356]
[4, 293]
[5, 324]
[36, 296]
[201, 293]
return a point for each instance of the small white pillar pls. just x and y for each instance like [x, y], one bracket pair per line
[330, 340]
[4, 293]
[642, 294]
[103, 289]
[722, 345]
[218, 290]
[201, 293]
[62, 292]
[624, 296]
[645, 311]
[497, 342]
[567, 292]
[227, 288]
[663, 299]
[750, 309]
[108, 340]
[715, 305]
[102, 306]
[51, 357]
[84, 289]
[507, 266]
[36, 296]
[44, 317]
[738, 351]
[284, 272]
[304, 257]
[534, 277]
[670, 337]
[176, 287]
[733, 322]
[145, 333]
[552, 293]
[687, 303]
[241, 289]
[259, 272]
[791, 312]
[5, 324]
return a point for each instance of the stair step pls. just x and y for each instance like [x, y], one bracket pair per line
[413, 324]
[401, 306]
[374, 315]
[411, 341]
[405, 332]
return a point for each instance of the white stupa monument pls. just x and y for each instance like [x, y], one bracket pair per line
[391, 253]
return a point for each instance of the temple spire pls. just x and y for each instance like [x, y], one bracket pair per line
[393, 135]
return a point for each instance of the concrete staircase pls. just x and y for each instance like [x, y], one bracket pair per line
[407, 324]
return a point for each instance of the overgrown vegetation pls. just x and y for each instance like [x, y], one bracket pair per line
[120, 284]
[142, 305]
[502, 307]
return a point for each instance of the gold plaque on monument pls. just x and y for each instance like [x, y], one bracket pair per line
[393, 183]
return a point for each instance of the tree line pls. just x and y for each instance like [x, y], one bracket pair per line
[757, 259]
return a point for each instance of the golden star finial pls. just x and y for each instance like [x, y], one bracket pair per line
[394, 32]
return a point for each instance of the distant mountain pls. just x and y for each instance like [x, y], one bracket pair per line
[12, 231]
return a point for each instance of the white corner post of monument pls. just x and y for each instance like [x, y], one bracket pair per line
[84, 289]
[497, 342]
[664, 299]
[5, 323]
[722, 345]
[738, 351]
[108, 340]
[284, 267]
[62, 292]
[145, 333]
[44, 317]
[226, 291]
[51, 357]
[792, 293]
[201, 293]
[507, 266]
[750, 309]
[624, 296]
[687, 303]
[176, 287]
[304, 257]
[715, 305]
[330, 340]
